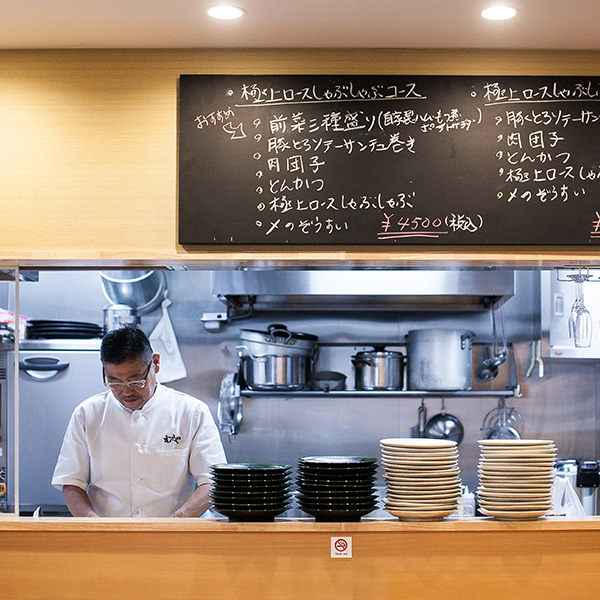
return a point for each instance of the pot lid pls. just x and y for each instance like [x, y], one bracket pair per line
[279, 335]
[378, 352]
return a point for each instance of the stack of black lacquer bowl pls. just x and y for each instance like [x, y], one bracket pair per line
[337, 488]
[250, 491]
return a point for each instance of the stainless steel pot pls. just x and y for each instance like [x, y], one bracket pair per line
[378, 369]
[142, 290]
[117, 315]
[276, 373]
[277, 359]
[439, 359]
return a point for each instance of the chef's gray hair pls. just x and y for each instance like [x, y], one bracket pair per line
[128, 342]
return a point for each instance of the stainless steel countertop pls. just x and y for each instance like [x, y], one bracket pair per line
[56, 345]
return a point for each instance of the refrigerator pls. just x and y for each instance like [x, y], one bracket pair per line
[54, 377]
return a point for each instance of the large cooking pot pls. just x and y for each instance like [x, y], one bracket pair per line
[439, 359]
[142, 290]
[277, 359]
[378, 369]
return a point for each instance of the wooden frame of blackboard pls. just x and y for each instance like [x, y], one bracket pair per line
[356, 160]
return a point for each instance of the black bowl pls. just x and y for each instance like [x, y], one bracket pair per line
[328, 515]
[340, 462]
[310, 479]
[262, 468]
[251, 515]
[337, 499]
[335, 488]
[245, 499]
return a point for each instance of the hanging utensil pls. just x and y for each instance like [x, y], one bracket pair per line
[488, 369]
[502, 423]
[229, 406]
[444, 426]
[419, 428]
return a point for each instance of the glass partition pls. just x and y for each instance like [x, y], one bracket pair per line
[9, 328]
[556, 402]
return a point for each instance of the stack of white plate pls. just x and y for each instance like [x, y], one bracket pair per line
[421, 474]
[515, 478]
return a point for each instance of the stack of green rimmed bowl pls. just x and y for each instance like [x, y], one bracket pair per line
[250, 491]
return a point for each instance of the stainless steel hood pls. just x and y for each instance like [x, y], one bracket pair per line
[290, 289]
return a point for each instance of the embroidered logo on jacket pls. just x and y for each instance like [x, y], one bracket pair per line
[170, 438]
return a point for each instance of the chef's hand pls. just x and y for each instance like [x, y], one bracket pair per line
[77, 501]
[196, 505]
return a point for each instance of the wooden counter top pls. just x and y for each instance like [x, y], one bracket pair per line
[470, 525]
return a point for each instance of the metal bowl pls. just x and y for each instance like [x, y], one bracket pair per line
[327, 381]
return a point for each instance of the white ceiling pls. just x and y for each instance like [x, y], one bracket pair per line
[540, 24]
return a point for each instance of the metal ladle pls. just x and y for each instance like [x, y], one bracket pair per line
[488, 369]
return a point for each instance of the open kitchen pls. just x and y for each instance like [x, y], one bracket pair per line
[310, 356]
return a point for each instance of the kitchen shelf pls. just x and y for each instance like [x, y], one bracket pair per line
[504, 393]
[507, 392]
[233, 391]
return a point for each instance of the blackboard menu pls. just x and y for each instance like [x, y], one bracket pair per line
[381, 160]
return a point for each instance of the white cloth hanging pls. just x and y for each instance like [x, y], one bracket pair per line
[164, 342]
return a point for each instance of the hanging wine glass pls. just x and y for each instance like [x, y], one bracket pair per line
[580, 320]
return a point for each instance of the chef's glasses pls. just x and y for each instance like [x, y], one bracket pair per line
[137, 385]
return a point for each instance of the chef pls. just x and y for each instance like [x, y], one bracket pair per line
[139, 449]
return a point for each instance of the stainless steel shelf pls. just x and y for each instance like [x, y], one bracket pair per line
[504, 393]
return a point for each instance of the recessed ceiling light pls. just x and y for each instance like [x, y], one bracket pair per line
[225, 12]
[499, 13]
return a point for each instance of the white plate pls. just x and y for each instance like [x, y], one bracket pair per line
[421, 452]
[513, 443]
[401, 481]
[416, 443]
[517, 473]
[514, 515]
[420, 515]
[419, 461]
[427, 495]
[517, 476]
[431, 492]
[532, 452]
[540, 471]
[419, 479]
[439, 489]
[497, 464]
[419, 466]
[527, 498]
[543, 508]
[420, 505]
[516, 488]
[547, 499]
[416, 471]
[510, 485]
[509, 493]
[515, 460]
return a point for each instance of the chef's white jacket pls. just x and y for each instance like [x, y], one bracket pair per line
[140, 463]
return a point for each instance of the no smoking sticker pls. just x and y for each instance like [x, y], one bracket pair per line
[341, 547]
